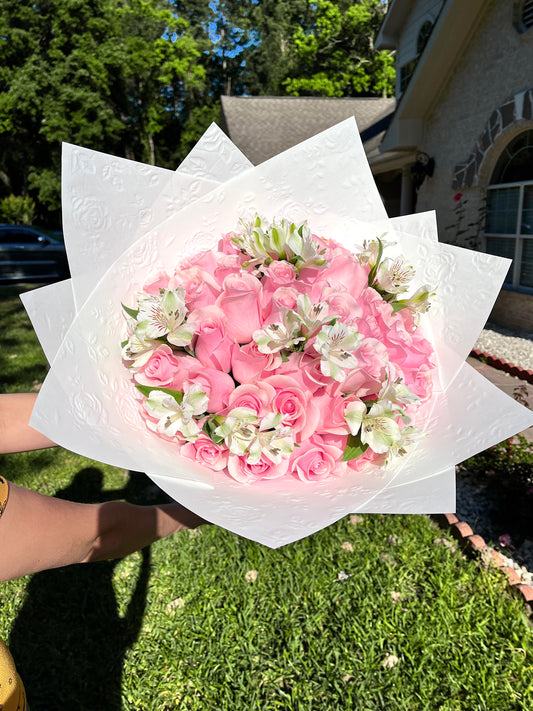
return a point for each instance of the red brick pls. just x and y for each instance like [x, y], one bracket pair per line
[447, 519]
[477, 543]
[526, 591]
[461, 530]
[511, 574]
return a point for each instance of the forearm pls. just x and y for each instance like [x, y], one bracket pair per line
[16, 435]
[40, 532]
[124, 528]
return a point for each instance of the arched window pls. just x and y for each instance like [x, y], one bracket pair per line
[509, 216]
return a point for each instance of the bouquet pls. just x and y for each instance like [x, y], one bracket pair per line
[282, 353]
[126, 224]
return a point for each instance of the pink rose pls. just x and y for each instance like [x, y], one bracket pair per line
[280, 272]
[155, 283]
[342, 304]
[244, 472]
[240, 301]
[212, 346]
[316, 461]
[286, 297]
[275, 303]
[206, 452]
[205, 260]
[377, 314]
[227, 264]
[332, 409]
[256, 396]
[160, 368]
[217, 385]
[369, 457]
[312, 375]
[248, 364]
[200, 287]
[295, 405]
[226, 246]
[344, 269]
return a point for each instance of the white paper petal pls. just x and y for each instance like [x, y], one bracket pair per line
[86, 401]
[213, 159]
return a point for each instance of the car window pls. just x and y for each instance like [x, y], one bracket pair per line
[18, 236]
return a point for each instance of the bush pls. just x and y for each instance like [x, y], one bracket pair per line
[17, 210]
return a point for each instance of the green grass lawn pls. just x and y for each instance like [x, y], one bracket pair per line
[374, 612]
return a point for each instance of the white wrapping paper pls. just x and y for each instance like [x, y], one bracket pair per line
[86, 404]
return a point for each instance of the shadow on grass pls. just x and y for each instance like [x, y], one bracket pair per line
[69, 639]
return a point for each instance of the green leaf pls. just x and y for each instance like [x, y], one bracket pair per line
[209, 428]
[374, 270]
[131, 312]
[354, 448]
[147, 389]
[399, 305]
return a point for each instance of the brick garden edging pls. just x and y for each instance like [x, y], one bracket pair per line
[475, 546]
[500, 364]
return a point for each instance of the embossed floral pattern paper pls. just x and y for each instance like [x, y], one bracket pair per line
[124, 222]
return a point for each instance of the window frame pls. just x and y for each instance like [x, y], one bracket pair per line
[518, 237]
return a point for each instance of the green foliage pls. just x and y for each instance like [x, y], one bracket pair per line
[197, 122]
[336, 57]
[100, 74]
[510, 461]
[17, 210]
[142, 78]
[505, 474]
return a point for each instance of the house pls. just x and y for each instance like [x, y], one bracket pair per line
[462, 131]
[458, 138]
[263, 126]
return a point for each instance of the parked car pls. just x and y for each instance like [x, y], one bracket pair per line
[31, 255]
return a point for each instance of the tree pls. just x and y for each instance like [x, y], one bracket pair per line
[334, 54]
[106, 75]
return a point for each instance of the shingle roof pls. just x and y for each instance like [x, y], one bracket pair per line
[262, 126]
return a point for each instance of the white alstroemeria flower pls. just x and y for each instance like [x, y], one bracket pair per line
[353, 414]
[177, 417]
[239, 429]
[302, 245]
[312, 316]
[138, 348]
[379, 428]
[397, 391]
[275, 444]
[279, 336]
[409, 436]
[371, 251]
[418, 303]
[336, 345]
[165, 314]
[394, 277]
[253, 240]
[263, 241]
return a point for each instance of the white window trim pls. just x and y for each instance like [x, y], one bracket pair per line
[517, 235]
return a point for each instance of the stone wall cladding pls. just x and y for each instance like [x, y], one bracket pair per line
[518, 108]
